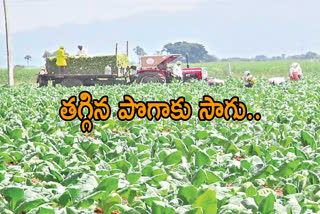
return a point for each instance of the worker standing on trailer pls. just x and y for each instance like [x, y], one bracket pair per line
[295, 72]
[248, 79]
[82, 51]
[177, 71]
[61, 60]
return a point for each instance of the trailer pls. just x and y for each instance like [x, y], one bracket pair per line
[153, 69]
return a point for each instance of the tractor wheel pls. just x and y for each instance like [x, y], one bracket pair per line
[42, 82]
[69, 82]
[191, 80]
[146, 77]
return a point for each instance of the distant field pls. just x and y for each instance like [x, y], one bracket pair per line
[260, 69]
[24, 75]
[217, 69]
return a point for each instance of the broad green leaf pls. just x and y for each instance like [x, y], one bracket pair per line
[173, 158]
[212, 177]
[92, 149]
[108, 184]
[109, 201]
[307, 139]
[188, 141]
[45, 210]
[313, 178]
[56, 174]
[251, 191]
[67, 198]
[124, 209]
[181, 147]
[266, 206]
[13, 195]
[29, 204]
[201, 135]
[202, 159]
[16, 134]
[158, 207]
[246, 164]
[232, 149]
[199, 178]
[5, 139]
[133, 177]
[289, 189]
[70, 210]
[187, 194]
[206, 200]
[123, 165]
[195, 211]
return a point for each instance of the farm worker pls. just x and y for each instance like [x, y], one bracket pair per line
[215, 81]
[248, 79]
[82, 51]
[42, 72]
[177, 71]
[295, 72]
[277, 81]
[61, 60]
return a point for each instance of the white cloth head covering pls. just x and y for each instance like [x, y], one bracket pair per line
[246, 74]
[295, 67]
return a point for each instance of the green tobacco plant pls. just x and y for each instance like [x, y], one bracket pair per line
[48, 165]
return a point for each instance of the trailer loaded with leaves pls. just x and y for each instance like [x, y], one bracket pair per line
[88, 70]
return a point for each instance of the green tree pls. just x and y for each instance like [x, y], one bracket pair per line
[28, 58]
[311, 55]
[139, 52]
[197, 52]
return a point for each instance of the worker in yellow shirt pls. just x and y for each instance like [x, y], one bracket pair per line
[61, 60]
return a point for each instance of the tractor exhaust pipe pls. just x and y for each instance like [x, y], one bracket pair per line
[187, 59]
[116, 48]
[127, 48]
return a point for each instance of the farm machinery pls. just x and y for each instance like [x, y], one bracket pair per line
[155, 69]
[116, 69]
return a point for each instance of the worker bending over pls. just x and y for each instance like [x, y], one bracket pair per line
[295, 72]
[277, 81]
[248, 79]
[61, 60]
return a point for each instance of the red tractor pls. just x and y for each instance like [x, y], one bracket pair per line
[155, 69]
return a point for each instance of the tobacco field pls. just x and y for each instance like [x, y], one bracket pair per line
[49, 166]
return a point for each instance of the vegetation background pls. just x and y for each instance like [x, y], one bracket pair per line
[265, 69]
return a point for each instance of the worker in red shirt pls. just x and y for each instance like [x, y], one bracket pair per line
[295, 72]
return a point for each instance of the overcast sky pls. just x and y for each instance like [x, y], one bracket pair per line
[227, 28]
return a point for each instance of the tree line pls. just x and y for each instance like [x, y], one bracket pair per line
[307, 56]
[198, 53]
